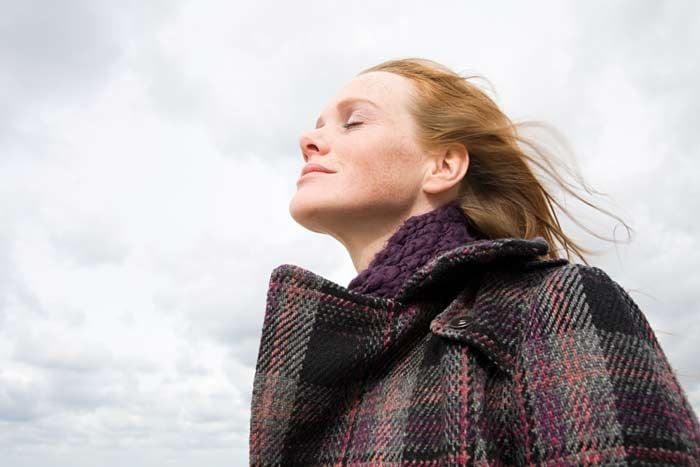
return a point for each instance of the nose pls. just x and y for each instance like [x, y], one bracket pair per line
[311, 144]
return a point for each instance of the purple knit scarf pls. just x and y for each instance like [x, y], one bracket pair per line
[414, 243]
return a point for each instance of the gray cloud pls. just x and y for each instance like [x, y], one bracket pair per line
[90, 245]
[19, 401]
[50, 55]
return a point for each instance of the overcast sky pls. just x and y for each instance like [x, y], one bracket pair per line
[149, 151]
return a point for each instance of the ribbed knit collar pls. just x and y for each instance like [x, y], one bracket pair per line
[417, 240]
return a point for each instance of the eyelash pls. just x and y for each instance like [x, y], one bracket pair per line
[349, 125]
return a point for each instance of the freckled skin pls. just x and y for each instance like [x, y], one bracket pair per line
[382, 175]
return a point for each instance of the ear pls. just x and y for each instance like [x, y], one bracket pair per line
[446, 168]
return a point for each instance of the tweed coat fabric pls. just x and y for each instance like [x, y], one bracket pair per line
[488, 355]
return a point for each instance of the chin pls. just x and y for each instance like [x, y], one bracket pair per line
[310, 211]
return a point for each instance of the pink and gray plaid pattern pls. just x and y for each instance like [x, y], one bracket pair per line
[487, 356]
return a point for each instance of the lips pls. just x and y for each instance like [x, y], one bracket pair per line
[314, 168]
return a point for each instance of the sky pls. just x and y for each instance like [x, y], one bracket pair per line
[149, 151]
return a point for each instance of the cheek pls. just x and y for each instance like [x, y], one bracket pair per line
[386, 169]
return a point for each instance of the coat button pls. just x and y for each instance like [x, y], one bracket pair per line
[460, 322]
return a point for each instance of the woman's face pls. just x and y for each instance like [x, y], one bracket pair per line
[378, 168]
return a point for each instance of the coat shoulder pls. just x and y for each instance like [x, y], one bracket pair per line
[575, 296]
[577, 352]
[583, 334]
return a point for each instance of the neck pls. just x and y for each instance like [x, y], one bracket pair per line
[412, 243]
[364, 235]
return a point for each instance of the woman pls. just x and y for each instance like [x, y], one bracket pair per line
[464, 339]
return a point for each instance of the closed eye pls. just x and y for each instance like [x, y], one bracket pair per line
[348, 125]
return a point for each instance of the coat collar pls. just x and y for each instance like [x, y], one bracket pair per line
[453, 274]
[490, 319]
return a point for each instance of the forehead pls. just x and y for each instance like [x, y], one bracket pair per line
[379, 89]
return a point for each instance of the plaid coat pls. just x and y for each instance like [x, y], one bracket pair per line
[489, 355]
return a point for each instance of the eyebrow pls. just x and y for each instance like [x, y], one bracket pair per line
[347, 102]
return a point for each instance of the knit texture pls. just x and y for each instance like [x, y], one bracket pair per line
[416, 241]
[536, 362]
